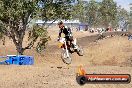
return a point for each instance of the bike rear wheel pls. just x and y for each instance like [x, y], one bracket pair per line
[80, 51]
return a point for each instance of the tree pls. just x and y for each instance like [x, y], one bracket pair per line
[108, 12]
[130, 16]
[92, 13]
[122, 13]
[78, 11]
[55, 9]
[15, 15]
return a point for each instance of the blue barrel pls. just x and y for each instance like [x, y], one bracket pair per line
[20, 60]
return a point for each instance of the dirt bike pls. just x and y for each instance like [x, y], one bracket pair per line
[67, 50]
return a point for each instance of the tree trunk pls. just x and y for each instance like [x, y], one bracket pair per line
[21, 33]
[19, 49]
[18, 41]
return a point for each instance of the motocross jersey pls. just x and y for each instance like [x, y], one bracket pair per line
[65, 31]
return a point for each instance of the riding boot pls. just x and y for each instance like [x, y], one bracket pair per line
[73, 45]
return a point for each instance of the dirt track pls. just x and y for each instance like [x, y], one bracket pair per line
[112, 55]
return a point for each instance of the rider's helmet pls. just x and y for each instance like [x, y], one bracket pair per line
[60, 24]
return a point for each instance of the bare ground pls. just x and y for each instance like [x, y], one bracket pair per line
[112, 55]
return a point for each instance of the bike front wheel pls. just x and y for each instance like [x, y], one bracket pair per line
[65, 58]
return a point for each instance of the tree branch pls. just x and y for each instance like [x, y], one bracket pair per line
[30, 45]
[11, 33]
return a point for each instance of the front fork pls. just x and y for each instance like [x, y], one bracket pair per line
[66, 49]
[75, 43]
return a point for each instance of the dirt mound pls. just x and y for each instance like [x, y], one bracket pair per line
[111, 51]
[106, 56]
[94, 38]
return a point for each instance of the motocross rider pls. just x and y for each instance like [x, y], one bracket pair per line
[66, 31]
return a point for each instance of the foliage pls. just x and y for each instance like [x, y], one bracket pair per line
[96, 14]
[15, 15]
[108, 12]
[78, 11]
[92, 12]
[42, 34]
